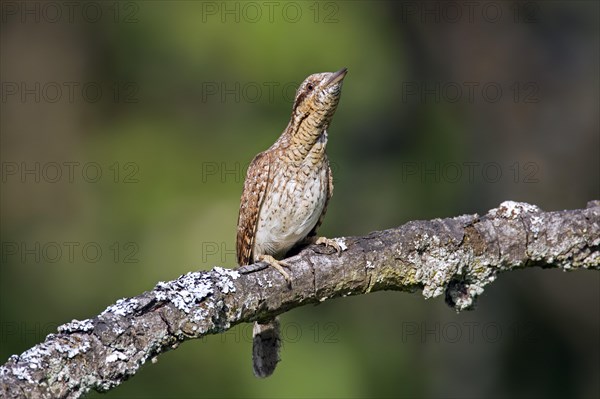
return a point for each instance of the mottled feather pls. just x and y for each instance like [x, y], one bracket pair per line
[253, 195]
[329, 195]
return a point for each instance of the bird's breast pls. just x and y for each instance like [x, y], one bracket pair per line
[292, 206]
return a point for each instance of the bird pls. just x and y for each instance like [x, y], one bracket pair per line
[285, 196]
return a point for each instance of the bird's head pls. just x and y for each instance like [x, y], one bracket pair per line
[317, 99]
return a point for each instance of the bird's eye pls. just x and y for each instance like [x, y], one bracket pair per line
[310, 86]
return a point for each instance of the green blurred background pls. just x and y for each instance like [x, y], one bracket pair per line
[170, 101]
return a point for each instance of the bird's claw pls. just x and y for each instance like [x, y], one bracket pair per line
[277, 265]
[328, 242]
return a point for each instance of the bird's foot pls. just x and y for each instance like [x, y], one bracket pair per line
[328, 242]
[278, 265]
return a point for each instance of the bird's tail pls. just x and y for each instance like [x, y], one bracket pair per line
[266, 342]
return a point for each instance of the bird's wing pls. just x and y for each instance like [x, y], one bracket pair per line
[329, 180]
[255, 188]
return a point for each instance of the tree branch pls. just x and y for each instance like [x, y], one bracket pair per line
[457, 257]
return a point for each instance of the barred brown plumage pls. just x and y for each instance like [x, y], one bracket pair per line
[285, 195]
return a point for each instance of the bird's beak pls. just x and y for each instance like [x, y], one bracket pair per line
[336, 77]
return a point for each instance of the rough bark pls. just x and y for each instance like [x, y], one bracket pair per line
[456, 257]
